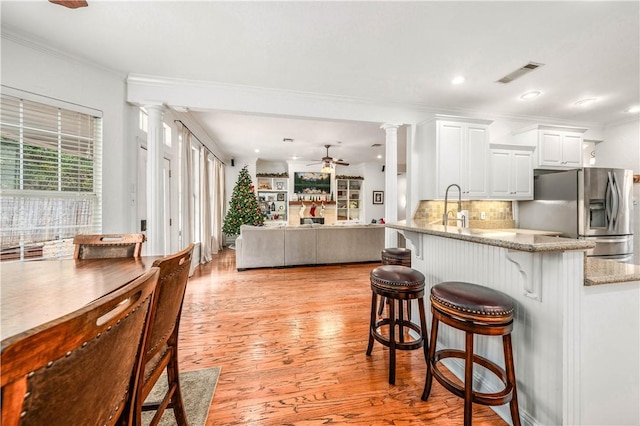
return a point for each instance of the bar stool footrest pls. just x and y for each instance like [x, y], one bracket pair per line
[405, 346]
[496, 398]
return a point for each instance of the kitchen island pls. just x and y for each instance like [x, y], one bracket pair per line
[576, 346]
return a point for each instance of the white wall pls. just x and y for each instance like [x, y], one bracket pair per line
[374, 179]
[38, 70]
[620, 147]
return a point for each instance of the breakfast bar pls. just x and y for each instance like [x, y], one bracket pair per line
[576, 354]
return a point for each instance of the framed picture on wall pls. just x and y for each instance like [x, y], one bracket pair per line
[281, 197]
[378, 197]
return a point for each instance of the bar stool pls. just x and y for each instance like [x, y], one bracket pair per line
[395, 256]
[397, 283]
[473, 309]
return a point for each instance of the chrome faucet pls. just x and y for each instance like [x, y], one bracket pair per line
[445, 216]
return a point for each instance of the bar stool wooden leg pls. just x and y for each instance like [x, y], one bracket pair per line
[372, 322]
[468, 379]
[382, 302]
[392, 343]
[400, 320]
[511, 377]
[423, 329]
[431, 355]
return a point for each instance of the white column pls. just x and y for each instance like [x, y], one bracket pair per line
[155, 192]
[391, 182]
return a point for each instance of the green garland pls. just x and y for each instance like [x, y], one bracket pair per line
[272, 175]
[349, 177]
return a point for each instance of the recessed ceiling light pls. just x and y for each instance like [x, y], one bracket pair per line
[585, 102]
[530, 95]
[256, 150]
[379, 156]
[458, 80]
[635, 108]
[295, 157]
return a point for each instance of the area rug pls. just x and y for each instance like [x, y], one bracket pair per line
[197, 392]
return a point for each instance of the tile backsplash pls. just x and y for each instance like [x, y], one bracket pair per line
[498, 214]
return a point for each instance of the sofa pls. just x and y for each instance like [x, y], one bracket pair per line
[311, 244]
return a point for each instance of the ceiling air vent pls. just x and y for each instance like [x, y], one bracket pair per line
[287, 140]
[375, 145]
[519, 72]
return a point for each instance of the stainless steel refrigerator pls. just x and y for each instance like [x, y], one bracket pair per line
[591, 203]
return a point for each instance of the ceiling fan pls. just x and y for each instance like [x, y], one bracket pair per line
[329, 163]
[71, 4]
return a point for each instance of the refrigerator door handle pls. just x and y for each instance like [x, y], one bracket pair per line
[615, 207]
[608, 202]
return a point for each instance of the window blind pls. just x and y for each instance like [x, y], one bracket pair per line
[50, 178]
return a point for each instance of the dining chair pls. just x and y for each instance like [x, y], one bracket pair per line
[82, 368]
[161, 346]
[107, 245]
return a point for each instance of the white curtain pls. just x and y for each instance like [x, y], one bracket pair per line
[212, 194]
[205, 207]
[217, 238]
[187, 188]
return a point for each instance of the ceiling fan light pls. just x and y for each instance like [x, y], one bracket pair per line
[327, 167]
[634, 109]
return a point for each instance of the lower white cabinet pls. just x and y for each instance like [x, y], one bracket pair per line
[511, 173]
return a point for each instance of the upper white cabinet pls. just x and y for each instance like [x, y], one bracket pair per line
[461, 148]
[558, 147]
[511, 173]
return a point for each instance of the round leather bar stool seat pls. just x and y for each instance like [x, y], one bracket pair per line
[398, 284]
[474, 309]
[396, 256]
[472, 302]
[397, 279]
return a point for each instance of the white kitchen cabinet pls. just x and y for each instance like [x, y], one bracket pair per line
[511, 173]
[454, 150]
[558, 147]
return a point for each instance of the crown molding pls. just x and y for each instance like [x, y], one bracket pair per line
[632, 119]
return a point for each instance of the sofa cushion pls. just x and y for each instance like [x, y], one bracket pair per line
[259, 246]
[300, 245]
[349, 243]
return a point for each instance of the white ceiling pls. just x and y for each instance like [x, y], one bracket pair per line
[386, 52]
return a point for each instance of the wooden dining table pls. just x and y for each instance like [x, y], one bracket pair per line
[36, 292]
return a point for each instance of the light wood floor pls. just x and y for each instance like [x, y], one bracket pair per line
[291, 343]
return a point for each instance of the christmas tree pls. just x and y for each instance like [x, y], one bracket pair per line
[243, 208]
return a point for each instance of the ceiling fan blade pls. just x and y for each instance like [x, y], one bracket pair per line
[71, 4]
[340, 162]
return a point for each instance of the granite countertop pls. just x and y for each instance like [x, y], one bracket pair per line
[602, 271]
[513, 238]
[596, 271]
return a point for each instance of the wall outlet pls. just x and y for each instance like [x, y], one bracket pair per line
[483, 216]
